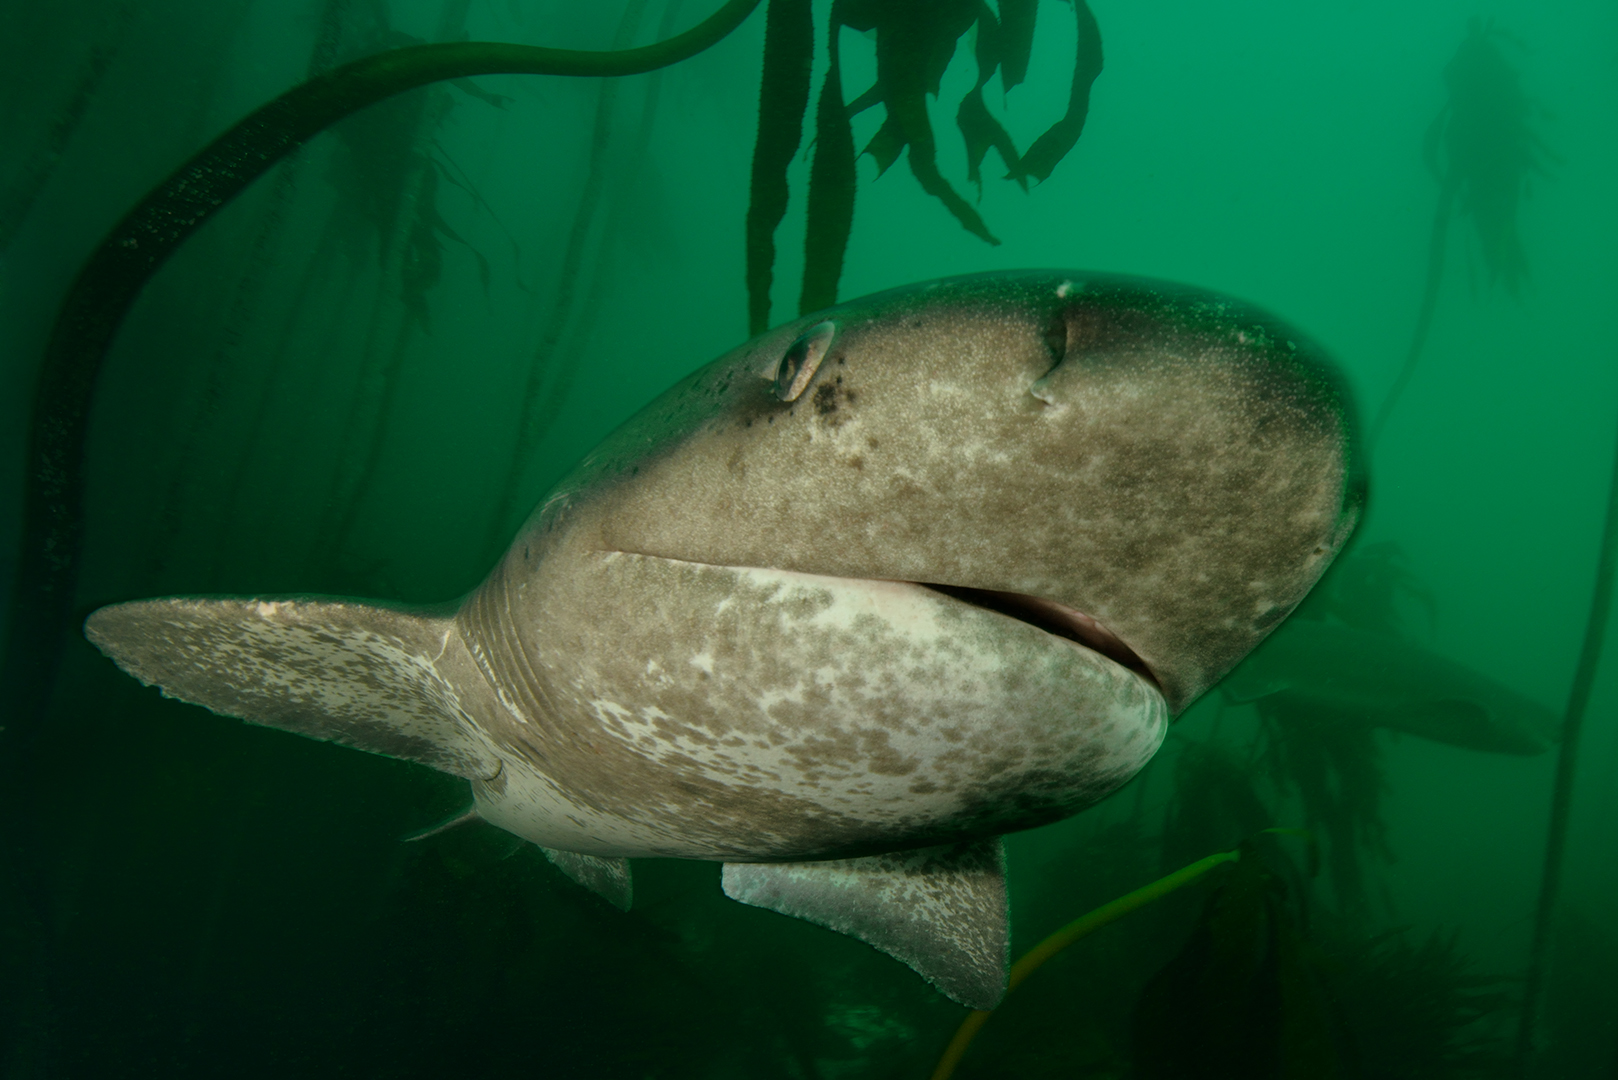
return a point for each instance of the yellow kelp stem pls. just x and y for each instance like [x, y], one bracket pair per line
[1067, 935]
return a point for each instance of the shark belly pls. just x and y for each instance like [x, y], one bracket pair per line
[750, 714]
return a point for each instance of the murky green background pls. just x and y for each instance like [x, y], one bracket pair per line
[228, 900]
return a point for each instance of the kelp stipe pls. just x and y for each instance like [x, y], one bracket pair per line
[1079, 928]
[1595, 631]
[114, 275]
[1268, 983]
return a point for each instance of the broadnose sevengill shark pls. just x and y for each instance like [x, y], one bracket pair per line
[847, 604]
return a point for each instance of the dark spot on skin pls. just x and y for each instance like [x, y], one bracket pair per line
[826, 399]
[872, 443]
[856, 462]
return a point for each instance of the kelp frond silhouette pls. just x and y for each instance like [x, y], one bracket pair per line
[1484, 151]
[915, 42]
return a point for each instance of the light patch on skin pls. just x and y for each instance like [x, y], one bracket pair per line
[824, 708]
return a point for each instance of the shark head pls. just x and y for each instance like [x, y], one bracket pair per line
[938, 561]
[897, 577]
[1164, 469]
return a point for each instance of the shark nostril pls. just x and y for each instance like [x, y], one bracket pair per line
[802, 359]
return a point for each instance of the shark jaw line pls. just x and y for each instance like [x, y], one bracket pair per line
[1042, 613]
[1053, 618]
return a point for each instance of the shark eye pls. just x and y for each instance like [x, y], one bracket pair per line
[801, 359]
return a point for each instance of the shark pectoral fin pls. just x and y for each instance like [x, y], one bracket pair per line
[942, 910]
[356, 674]
[607, 878]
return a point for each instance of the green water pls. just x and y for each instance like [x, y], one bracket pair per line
[301, 402]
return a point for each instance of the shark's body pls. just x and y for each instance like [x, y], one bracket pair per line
[844, 606]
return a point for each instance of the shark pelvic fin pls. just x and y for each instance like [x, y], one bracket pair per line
[607, 878]
[369, 677]
[942, 910]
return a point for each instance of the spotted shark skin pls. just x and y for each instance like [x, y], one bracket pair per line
[758, 624]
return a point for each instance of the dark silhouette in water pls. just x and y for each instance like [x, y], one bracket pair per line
[1578, 698]
[42, 604]
[1482, 148]
[134, 250]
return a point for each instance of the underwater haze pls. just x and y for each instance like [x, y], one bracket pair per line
[360, 376]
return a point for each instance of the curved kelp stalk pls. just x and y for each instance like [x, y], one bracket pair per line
[1482, 148]
[914, 45]
[1247, 996]
[1250, 872]
[1079, 928]
[113, 277]
[1567, 760]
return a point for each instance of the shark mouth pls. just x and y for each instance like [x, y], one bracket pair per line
[1053, 618]
[1042, 613]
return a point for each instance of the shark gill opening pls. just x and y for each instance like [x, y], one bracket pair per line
[1053, 618]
